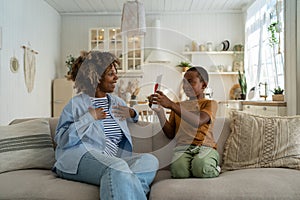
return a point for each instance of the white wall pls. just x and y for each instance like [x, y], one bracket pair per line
[292, 56]
[176, 32]
[23, 22]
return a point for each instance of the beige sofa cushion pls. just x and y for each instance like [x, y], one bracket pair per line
[43, 185]
[244, 184]
[26, 145]
[262, 141]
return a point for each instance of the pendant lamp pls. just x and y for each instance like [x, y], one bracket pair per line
[133, 21]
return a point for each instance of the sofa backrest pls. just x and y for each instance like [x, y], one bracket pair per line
[163, 147]
[149, 137]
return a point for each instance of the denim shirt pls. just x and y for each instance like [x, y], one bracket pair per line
[77, 132]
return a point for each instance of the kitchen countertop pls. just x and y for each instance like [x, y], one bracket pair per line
[264, 103]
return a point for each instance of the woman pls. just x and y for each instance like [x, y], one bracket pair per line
[93, 140]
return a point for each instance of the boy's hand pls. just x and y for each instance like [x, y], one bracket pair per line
[161, 99]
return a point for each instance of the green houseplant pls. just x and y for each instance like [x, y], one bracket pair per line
[243, 84]
[272, 28]
[278, 94]
[69, 62]
[184, 65]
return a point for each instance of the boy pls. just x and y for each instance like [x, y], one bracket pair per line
[190, 123]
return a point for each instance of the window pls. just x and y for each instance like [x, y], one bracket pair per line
[264, 54]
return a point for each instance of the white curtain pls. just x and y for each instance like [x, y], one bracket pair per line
[263, 62]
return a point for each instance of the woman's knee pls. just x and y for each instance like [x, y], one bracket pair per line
[150, 161]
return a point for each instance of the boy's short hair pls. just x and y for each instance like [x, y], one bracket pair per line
[201, 71]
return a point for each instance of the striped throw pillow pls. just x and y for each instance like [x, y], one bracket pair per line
[26, 145]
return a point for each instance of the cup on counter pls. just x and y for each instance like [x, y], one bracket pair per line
[229, 68]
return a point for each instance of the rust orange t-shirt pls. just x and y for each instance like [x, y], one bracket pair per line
[186, 134]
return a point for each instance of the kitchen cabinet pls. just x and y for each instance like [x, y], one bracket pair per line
[133, 53]
[62, 92]
[225, 107]
[129, 50]
[268, 108]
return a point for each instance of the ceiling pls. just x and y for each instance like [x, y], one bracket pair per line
[114, 7]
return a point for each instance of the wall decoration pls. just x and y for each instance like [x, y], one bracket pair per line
[29, 67]
[14, 64]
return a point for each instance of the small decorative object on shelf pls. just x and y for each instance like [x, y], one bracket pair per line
[194, 46]
[278, 94]
[263, 90]
[238, 48]
[243, 85]
[185, 65]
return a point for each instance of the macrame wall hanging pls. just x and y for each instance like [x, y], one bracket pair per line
[29, 67]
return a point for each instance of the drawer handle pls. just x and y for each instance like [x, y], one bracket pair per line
[58, 101]
[264, 108]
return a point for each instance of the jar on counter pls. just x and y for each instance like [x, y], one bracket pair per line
[209, 46]
[186, 47]
[194, 46]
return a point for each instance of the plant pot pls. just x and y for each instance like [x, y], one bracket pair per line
[184, 69]
[278, 97]
[243, 97]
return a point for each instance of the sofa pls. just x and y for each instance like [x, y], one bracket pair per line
[245, 183]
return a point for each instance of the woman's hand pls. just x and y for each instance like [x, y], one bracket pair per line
[97, 113]
[123, 112]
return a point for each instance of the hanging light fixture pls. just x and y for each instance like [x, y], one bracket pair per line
[133, 21]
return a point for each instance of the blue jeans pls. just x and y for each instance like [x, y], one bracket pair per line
[119, 178]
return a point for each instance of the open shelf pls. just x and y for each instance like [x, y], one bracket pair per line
[211, 52]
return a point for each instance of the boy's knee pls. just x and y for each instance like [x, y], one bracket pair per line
[204, 168]
[180, 170]
[180, 173]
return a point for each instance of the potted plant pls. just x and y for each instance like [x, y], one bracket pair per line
[243, 85]
[185, 65]
[69, 62]
[278, 94]
[273, 40]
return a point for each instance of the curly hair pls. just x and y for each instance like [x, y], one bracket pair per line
[75, 66]
[88, 69]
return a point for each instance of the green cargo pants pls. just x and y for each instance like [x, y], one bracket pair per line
[195, 161]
